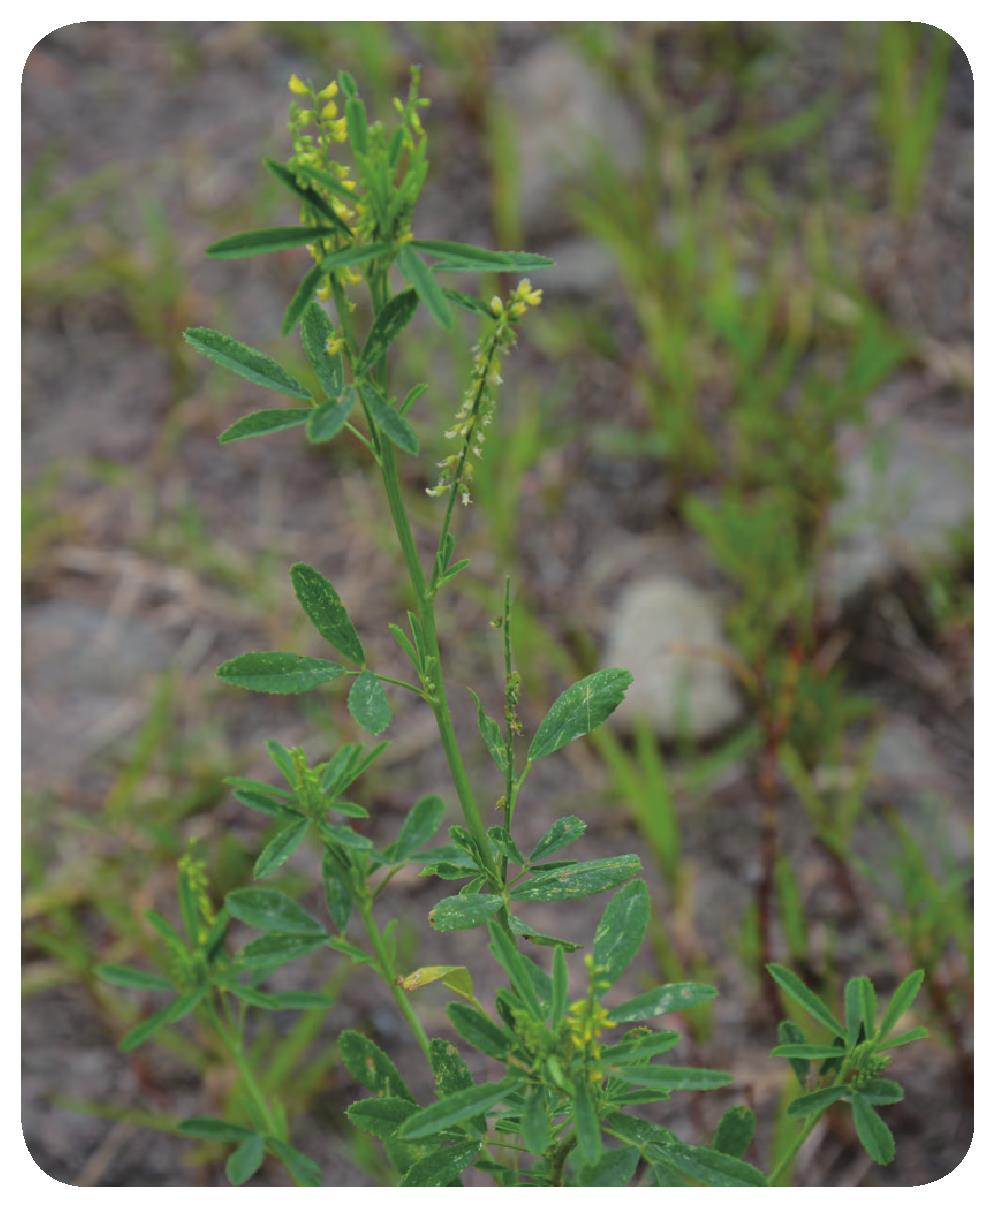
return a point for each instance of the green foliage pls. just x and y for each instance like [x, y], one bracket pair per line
[565, 1085]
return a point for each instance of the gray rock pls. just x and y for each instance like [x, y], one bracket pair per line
[667, 632]
[563, 109]
[903, 500]
[582, 267]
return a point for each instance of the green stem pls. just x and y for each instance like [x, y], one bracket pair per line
[389, 974]
[557, 1159]
[264, 1116]
[782, 1165]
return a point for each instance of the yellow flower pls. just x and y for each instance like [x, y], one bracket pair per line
[496, 305]
[296, 85]
[330, 90]
[329, 110]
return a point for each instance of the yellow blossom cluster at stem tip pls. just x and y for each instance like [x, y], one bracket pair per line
[480, 399]
[316, 128]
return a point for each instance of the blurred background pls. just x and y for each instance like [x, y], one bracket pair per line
[733, 454]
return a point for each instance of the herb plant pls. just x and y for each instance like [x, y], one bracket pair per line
[559, 1109]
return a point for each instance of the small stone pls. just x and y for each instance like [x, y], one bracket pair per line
[563, 111]
[668, 633]
[901, 506]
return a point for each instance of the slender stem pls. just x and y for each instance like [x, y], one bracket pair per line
[399, 683]
[233, 1046]
[782, 1165]
[389, 974]
[431, 650]
[509, 711]
[559, 1156]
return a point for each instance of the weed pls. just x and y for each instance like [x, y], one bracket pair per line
[558, 1108]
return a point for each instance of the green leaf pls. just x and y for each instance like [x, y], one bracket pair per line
[282, 759]
[244, 1161]
[619, 934]
[616, 1168]
[578, 880]
[469, 1103]
[278, 849]
[459, 257]
[792, 985]
[518, 968]
[558, 988]
[175, 1010]
[456, 978]
[442, 1167]
[881, 1091]
[331, 184]
[466, 302]
[536, 1130]
[338, 890]
[859, 1008]
[788, 1033]
[386, 419]
[381, 1116]
[560, 833]
[355, 255]
[422, 822]
[248, 362]
[302, 1168]
[392, 318]
[491, 734]
[368, 704]
[479, 1030]
[357, 955]
[215, 1129]
[281, 1000]
[269, 910]
[457, 913]
[914, 1034]
[344, 838]
[135, 979]
[806, 1052]
[422, 279]
[713, 1168]
[674, 1079]
[538, 937]
[902, 999]
[586, 1122]
[816, 1102]
[303, 294]
[411, 397]
[260, 242]
[325, 422]
[276, 671]
[502, 840]
[370, 1066]
[582, 708]
[324, 608]
[876, 1138]
[451, 1075]
[316, 330]
[260, 802]
[357, 126]
[266, 421]
[634, 1050]
[278, 948]
[735, 1131]
[308, 194]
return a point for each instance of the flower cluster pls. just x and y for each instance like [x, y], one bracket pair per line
[317, 130]
[476, 412]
